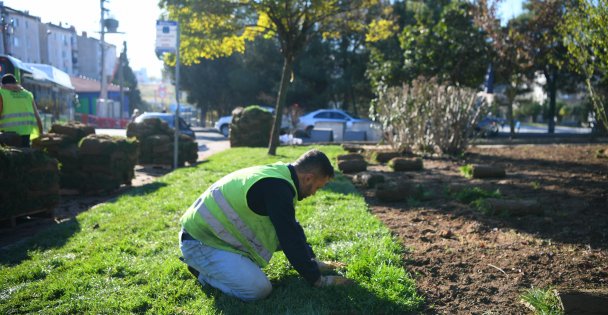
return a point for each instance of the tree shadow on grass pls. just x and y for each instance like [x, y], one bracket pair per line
[54, 236]
[51, 233]
[144, 189]
[293, 295]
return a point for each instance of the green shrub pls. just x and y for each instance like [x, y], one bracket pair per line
[544, 301]
[466, 171]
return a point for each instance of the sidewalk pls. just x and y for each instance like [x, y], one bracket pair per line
[539, 138]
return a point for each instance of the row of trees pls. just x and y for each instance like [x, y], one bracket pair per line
[343, 52]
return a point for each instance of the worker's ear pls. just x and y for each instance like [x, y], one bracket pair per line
[309, 177]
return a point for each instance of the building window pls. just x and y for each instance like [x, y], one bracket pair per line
[16, 41]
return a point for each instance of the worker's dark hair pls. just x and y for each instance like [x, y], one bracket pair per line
[9, 79]
[314, 161]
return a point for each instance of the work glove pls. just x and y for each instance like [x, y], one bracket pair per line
[329, 265]
[325, 281]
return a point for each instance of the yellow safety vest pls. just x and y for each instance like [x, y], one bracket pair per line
[17, 112]
[221, 218]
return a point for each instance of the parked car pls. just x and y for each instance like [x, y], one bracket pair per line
[184, 128]
[307, 122]
[223, 123]
[489, 126]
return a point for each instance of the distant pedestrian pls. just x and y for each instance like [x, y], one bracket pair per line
[18, 112]
[135, 114]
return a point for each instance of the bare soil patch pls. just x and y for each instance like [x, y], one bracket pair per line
[466, 262]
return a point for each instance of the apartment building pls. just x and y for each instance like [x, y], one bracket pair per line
[26, 38]
[89, 50]
[59, 47]
[20, 34]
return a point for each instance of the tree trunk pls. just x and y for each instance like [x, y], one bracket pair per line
[511, 92]
[352, 97]
[551, 81]
[274, 134]
[203, 116]
[600, 108]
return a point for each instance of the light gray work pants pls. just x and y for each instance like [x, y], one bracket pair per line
[231, 273]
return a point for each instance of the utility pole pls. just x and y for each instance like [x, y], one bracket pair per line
[121, 74]
[103, 94]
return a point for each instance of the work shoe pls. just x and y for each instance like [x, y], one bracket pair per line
[193, 271]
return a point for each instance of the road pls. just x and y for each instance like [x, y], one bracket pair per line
[525, 128]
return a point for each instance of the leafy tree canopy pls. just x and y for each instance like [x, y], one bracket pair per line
[211, 29]
[585, 32]
[445, 42]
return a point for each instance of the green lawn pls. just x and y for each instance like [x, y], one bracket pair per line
[122, 257]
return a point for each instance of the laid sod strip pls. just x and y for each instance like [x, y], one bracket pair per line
[122, 256]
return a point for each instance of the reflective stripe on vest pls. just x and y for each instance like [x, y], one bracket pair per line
[15, 115]
[18, 123]
[235, 220]
[18, 113]
[218, 228]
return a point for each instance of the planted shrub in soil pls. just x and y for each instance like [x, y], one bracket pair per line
[511, 207]
[352, 148]
[400, 164]
[384, 156]
[395, 191]
[350, 156]
[368, 180]
[488, 171]
[352, 166]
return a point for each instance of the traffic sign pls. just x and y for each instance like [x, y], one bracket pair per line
[166, 36]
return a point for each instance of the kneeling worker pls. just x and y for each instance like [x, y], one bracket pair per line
[234, 227]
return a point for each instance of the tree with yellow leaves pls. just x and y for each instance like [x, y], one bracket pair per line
[218, 28]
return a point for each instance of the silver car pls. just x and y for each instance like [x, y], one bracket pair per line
[307, 122]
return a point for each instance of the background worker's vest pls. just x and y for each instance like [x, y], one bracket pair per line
[221, 218]
[17, 112]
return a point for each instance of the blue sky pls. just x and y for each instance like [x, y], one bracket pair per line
[137, 19]
[510, 9]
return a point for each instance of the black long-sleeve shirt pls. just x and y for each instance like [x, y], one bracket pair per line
[273, 197]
